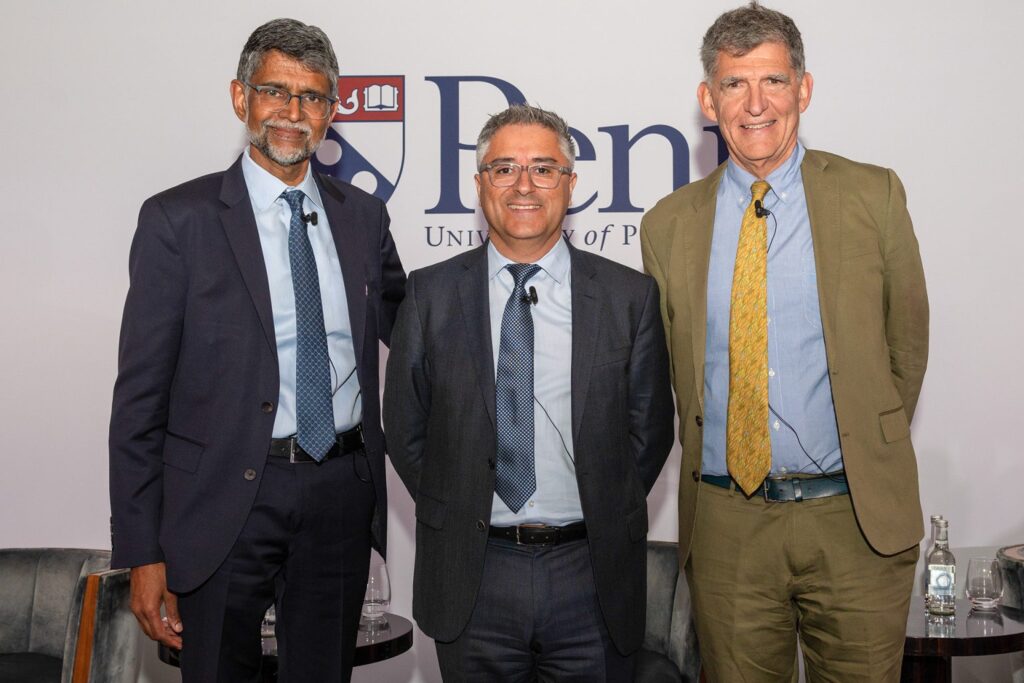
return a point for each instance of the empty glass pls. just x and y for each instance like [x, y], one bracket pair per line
[984, 583]
[268, 639]
[378, 592]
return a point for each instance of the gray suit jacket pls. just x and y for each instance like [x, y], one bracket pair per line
[439, 419]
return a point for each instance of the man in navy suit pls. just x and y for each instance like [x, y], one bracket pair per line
[246, 454]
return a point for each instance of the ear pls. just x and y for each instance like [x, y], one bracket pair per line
[238, 101]
[476, 179]
[572, 183]
[806, 87]
[706, 101]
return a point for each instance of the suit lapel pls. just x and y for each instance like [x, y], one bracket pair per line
[586, 321]
[474, 302]
[240, 227]
[822, 193]
[696, 253]
[349, 244]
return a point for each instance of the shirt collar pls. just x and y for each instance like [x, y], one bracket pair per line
[784, 180]
[555, 263]
[265, 188]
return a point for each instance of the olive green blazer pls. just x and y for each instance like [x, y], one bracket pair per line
[874, 312]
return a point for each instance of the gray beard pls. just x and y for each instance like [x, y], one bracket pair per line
[261, 141]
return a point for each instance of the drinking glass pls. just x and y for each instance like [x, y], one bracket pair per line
[984, 583]
[378, 592]
[268, 639]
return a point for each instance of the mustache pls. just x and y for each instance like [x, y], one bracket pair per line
[288, 125]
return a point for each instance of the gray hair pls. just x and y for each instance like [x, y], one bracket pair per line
[526, 115]
[743, 29]
[305, 43]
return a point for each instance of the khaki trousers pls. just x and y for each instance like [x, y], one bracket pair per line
[764, 574]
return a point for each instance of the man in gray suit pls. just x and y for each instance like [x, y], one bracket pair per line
[528, 411]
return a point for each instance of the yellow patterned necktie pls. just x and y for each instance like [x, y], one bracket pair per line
[748, 446]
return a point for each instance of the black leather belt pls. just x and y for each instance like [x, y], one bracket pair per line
[790, 489]
[289, 448]
[540, 535]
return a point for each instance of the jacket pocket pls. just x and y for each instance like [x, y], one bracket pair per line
[430, 511]
[894, 425]
[619, 355]
[182, 453]
[636, 522]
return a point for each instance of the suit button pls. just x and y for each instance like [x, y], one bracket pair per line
[696, 475]
[267, 407]
[249, 474]
[490, 463]
[699, 420]
[480, 525]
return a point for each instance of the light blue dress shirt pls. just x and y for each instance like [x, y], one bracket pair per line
[557, 498]
[273, 218]
[799, 392]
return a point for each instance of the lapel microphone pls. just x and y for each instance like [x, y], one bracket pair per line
[530, 297]
[759, 211]
[308, 218]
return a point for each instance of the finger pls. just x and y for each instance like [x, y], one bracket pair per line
[169, 637]
[144, 625]
[148, 616]
[173, 618]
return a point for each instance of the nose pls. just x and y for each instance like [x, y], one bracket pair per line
[524, 184]
[292, 111]
[756, 101]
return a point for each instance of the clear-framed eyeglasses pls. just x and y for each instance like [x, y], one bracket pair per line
[275, 99]
[506, 174]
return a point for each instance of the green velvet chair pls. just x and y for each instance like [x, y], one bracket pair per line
[669, 652]
[64, 618]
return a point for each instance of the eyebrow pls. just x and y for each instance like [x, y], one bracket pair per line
[282, 86]
[534, 160]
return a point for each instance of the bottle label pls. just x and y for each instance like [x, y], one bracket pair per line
[941, 579]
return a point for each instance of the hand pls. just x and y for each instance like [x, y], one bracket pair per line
[149, 592]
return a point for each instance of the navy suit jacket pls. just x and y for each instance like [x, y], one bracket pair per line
[197, 385]
[439, 413]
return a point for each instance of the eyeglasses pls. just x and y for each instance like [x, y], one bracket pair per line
[275, 99]
[506, 174]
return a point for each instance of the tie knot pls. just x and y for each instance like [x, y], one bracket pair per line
[758, 190]
[294, 199]
[522, 272]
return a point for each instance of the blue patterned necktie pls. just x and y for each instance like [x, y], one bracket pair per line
[515, 477]
[314, 415]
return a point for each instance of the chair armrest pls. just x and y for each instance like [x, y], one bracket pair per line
[107, 640]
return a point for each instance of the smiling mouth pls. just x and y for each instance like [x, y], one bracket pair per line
[757, 126]
[523, 207]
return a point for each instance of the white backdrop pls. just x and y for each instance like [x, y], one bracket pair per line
[110, 101]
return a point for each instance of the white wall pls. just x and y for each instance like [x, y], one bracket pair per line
[109, 102]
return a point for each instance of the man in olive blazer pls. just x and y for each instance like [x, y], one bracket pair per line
[824, 547]
[876, 345]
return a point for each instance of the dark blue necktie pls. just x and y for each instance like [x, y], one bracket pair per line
[314, 415]
[515, 477]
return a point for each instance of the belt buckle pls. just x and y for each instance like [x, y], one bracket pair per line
[794, 482]
[293, 444]
[518, 542]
